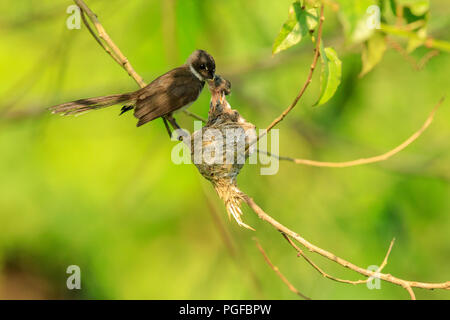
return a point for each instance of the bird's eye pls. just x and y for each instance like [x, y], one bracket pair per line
[202, 66]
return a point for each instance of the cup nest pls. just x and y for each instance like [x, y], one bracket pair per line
[218, 168]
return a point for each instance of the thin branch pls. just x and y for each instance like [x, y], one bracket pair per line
[308, 80]
[195, 116]
[429, 42]
[326, 275]
[236, 254]
[427, 57]
[111, 48]
[278, 272]
[406, 284]
[362, 161]
[305, 85]
[416, 65]
[411, 292]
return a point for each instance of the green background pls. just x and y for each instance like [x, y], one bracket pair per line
[97, 192]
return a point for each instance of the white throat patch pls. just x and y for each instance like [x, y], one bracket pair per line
[196, 74]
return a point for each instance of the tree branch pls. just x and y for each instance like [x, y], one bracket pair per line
[323, 273]
[406, 284]
[111, 48]
[362, 161]
[305, 85]
[229, 242]
[278, 272]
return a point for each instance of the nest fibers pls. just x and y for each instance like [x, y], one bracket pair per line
[219, 149]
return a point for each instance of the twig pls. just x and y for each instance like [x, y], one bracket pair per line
[362, 161]
[429, 42]
[308, 80]
[111, 48]
[195, 116]
[278, 272]
[326, 275]
[397, 47]
[229, 242]
[406, 284]
[427, 57]
[305, 85]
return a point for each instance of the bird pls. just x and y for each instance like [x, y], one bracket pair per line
[173, 91]
[223, 120]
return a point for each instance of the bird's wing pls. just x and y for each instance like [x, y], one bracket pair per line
[166, 94]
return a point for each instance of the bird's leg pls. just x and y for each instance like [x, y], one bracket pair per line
[169, 131]
[172, 121]
[181, 133]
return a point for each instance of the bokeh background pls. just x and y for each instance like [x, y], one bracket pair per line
[97, 192]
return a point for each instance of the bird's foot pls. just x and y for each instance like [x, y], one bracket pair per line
[180, 134]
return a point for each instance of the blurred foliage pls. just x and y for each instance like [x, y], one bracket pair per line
[97, 192]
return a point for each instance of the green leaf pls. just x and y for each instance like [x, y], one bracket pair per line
[330, 77]
[393, 6]
[299, 23]
[373, 52]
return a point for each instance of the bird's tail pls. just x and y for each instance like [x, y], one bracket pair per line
[84, 105]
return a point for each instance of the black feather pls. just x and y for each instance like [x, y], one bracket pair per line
[125, 109]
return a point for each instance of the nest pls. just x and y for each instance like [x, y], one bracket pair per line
[217, 157]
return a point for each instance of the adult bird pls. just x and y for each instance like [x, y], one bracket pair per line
[175, 90]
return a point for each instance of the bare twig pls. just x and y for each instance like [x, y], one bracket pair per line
[308, 80]
[195, 116]
[305, 85]
[278, 272]
[326, 275]
[416, 65]
[111, 48]
[429, 42]
[229, 242]
[406, 284]
[362, 161]
[427, 57]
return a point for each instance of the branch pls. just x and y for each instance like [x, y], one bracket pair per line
[195, 116]
[361, 161]
[229, 242]
[428, 42]
[323, 273]
[305, 85]
[278, 272]
[406, 284]
[111, 48]
[416, 65]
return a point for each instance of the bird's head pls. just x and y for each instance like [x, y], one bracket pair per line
[202, 65]
[219, 88]
[220, 85]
